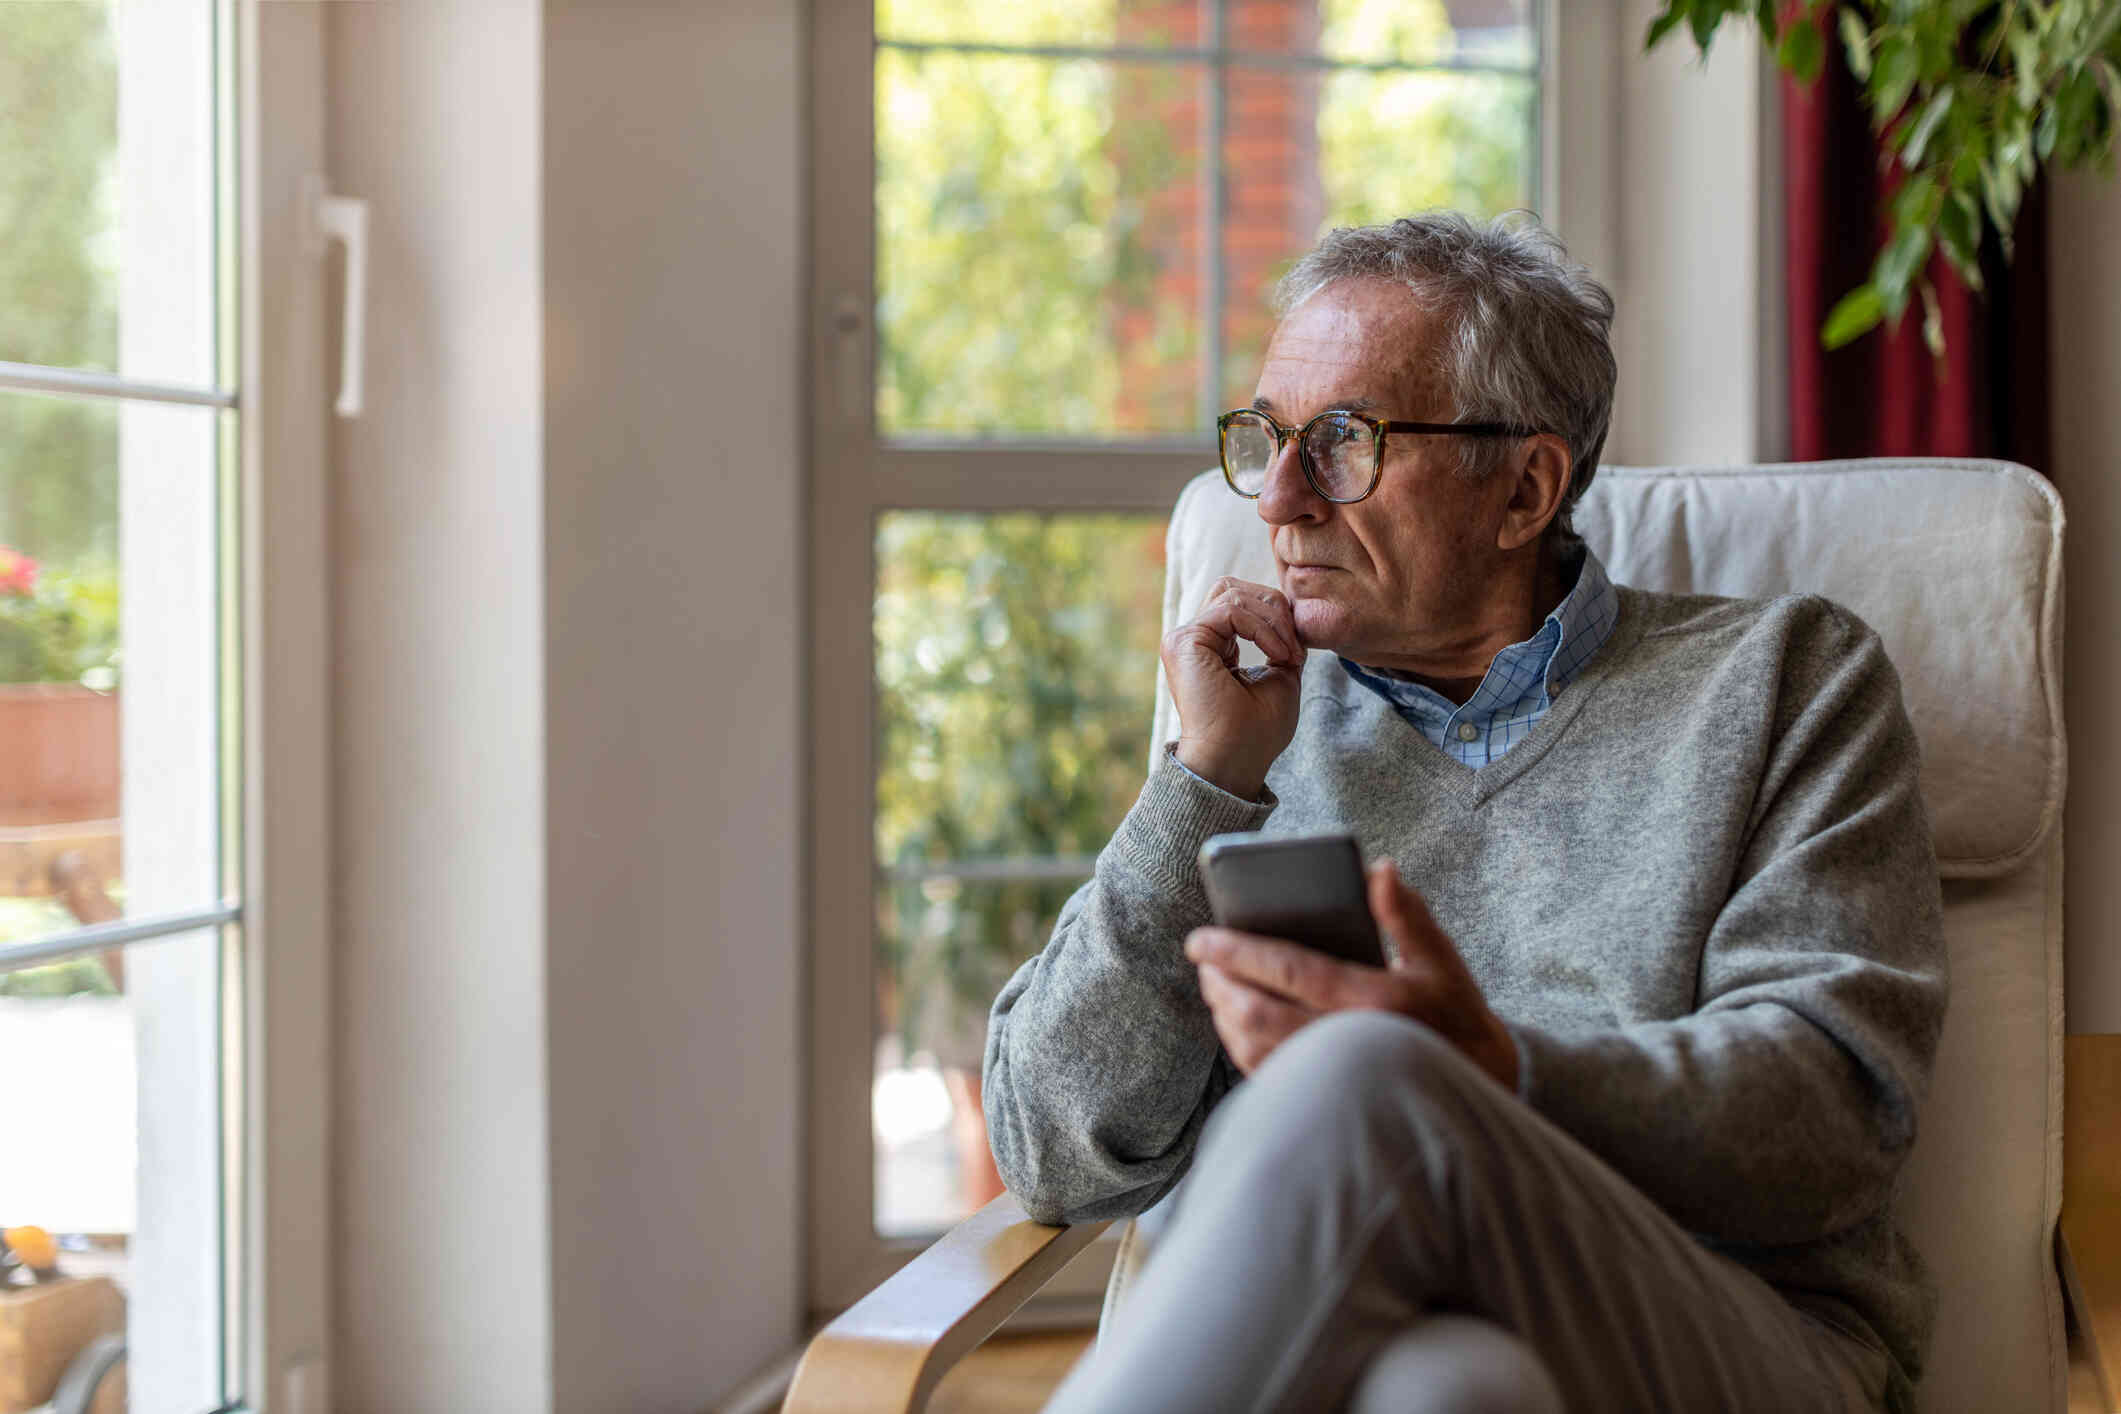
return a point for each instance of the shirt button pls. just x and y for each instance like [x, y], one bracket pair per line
[1468, 732]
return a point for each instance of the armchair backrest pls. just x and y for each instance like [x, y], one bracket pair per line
[1957, 565]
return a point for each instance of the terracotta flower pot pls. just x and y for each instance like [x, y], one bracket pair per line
[58, 754]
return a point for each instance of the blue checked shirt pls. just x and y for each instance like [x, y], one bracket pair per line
[1521, 683]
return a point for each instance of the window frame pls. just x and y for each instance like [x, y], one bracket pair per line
[855, 475]
[274, 996]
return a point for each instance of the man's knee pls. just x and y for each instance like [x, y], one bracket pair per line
[1363, 1059]
[1346, 1083]
[1458, 1364]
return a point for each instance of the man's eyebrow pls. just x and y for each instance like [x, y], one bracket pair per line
[1266, 405]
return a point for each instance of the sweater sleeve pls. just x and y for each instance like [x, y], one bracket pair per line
[1102, 1061]
[1781, 1110]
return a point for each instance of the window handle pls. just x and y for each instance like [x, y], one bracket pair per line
[849, 356]
[343, 219]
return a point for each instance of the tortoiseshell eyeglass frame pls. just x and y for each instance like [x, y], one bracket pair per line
[1380, 428]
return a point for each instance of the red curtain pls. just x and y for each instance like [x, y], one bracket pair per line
[1884, 395]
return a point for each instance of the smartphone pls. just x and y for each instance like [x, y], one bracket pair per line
[1308, 889]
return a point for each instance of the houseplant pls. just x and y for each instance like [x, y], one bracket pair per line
[58, 707]
[1972, 98]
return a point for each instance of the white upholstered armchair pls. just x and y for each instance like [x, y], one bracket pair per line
[1957, 565]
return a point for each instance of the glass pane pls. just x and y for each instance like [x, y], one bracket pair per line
[106, 187]
[1016, 671]
[1099, 23]
[1471, 32]
[1038, 256]
[107, 662]
[1308, 150]
[116, 1108]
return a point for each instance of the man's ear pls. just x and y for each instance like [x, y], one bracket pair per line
[1539, 471]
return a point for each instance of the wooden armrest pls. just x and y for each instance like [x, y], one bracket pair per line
[888, 1350]
[2091, 1200]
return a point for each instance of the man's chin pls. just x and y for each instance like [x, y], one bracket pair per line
[1321, 623]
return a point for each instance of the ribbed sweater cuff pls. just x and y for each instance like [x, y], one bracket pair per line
[1175, 814]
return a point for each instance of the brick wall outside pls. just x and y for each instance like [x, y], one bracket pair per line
[1272, 197]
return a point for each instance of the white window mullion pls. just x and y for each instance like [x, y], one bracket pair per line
[168, 586]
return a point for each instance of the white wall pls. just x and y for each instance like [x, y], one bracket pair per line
[568, 620]
[673, 472]
[2084, 253]
[1692, 338]
[443, 1251]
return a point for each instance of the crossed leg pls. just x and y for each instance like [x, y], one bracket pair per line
[1372, 1222]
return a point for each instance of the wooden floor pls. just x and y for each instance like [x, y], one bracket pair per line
[1017, 1374]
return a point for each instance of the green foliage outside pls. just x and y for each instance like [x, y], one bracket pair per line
[1016, 663]
[1016, 200]
[1007, 219]
[1016, 654]
[63, 630]
[58, 142]
[1973, 97]
[58, 456]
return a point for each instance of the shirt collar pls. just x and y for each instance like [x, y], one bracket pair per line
[1551, 658]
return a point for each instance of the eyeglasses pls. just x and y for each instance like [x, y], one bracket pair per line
[1343, 453]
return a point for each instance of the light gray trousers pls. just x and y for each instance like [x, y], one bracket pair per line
[1372, 1223]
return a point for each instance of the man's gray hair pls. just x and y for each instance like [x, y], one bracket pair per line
[1527, 337]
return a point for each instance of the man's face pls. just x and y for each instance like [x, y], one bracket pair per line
[1402, 573]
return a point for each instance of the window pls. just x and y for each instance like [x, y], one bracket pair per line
[1044, 239]
[120, 744]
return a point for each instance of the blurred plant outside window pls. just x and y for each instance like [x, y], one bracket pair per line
[117, 786]
[1080, 212]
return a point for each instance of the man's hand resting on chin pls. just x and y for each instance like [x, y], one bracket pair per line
[1262, 990]
[1233, 722]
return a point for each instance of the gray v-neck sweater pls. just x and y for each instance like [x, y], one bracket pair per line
[1701, 894]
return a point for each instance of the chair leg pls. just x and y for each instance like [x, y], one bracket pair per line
[80, 886]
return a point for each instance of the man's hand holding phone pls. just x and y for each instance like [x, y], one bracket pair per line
[1234, 722]
[1261, 990]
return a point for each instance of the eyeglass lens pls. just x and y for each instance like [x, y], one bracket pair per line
[1341, 450]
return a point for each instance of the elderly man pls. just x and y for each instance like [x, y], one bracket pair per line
[1619, 1127]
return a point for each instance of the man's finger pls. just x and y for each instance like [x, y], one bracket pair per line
[1232, 616]
[1404, 916]
[1288, 969]
[1250, 1022]
[1268, 617]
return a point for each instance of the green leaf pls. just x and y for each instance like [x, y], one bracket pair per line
[1932, 321]
[2076, 112]
[1857, 313]
[2026, 61]
[1703, 22]
[1918, 201]
[2014, 142]
[1664, 24]
[1893, 76]
[1803, 49]
[1926, 126]
[1959, 232]
[1966, 166]
[1936, 37]
[1899, 264]
[2045, 132]
[1856, 39]
[1999, 195]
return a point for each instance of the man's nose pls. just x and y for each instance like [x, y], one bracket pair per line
[1286, 496]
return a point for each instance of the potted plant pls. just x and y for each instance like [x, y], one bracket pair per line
[1971, 100]
[58, 697]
